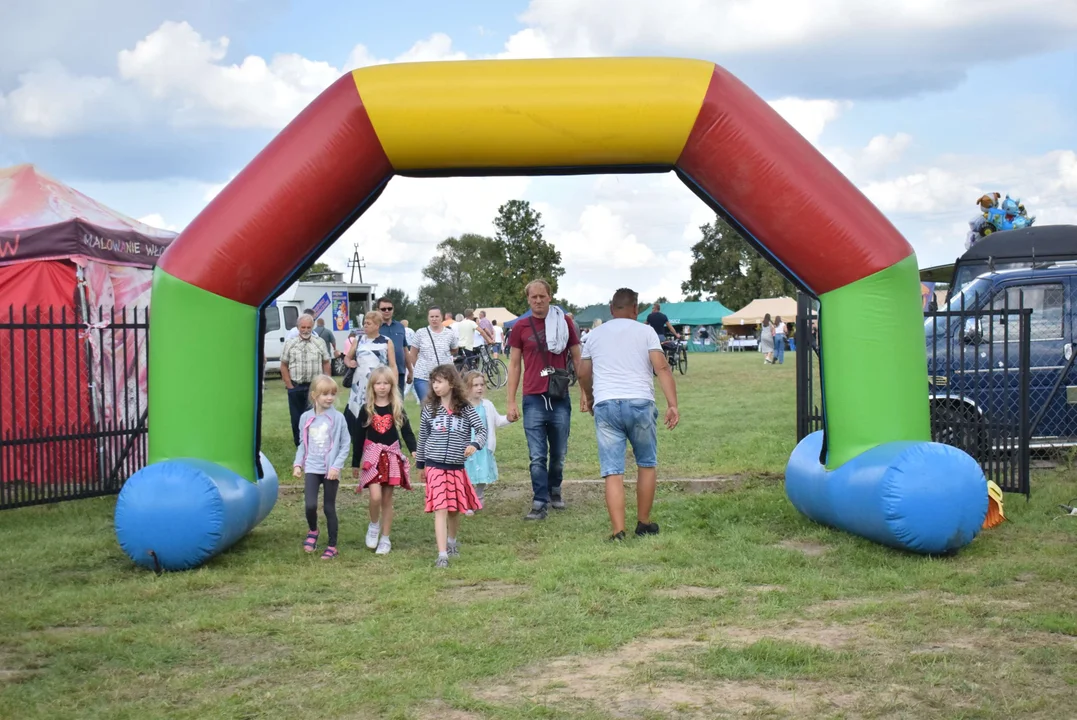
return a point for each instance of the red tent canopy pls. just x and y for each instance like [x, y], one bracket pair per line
[43, 219]
[50, 232]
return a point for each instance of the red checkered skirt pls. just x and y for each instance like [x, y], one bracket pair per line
[385, 465]
[450, 490]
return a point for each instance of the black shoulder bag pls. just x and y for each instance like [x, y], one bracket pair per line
[558, 377]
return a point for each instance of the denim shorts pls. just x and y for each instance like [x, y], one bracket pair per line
[618, 422]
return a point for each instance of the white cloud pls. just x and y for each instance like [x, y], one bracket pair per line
[871, 47]
[157, 221]
[437, 47]
[176, 77]
[50, 101]
[933, 205]
[398, 234]
[809, 117]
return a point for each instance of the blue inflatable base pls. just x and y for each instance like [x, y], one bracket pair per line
[923, 497]
[177, 514]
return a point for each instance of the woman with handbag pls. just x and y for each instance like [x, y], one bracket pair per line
[434, 345]
[370, 350]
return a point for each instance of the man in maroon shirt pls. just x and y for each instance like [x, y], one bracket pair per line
[546, 420]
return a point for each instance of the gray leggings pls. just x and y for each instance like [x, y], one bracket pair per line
[310, 494]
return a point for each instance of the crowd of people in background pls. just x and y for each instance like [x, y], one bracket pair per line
[454, 441]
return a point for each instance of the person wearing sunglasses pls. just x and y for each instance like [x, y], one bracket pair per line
[393, 330]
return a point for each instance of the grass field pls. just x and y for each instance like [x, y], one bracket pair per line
[737, 416]
[741, 607]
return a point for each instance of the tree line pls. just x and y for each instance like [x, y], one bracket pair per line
[476, 271]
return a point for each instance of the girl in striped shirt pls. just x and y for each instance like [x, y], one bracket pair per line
[445, 442]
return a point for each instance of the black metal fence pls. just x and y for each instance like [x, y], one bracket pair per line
[988, 391]
[72, 402]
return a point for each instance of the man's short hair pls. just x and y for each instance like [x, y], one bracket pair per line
[538, 281]
[656, 307]
[469, 313]
[320, 321]
[625, 297]
[482, 313]
[384, 299]
[309, 311]
[435, 307]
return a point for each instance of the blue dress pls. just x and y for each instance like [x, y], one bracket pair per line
[481, 467]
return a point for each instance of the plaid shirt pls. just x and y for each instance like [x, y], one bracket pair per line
[304, 358]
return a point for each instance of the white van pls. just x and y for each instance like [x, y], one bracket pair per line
[341, 305]
[279, 318]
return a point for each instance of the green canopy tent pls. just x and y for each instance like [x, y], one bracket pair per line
[695, 316]
[586, 318]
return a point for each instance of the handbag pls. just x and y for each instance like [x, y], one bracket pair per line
[557, 377]
[349, 377]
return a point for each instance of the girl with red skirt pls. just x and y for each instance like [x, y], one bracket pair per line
[445, 442]
[377, 459]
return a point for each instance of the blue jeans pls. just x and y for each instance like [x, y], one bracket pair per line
[779, 348]
[546, 426]
[421, 387]
[619, 422]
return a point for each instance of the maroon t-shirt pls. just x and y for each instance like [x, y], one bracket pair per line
[534, 355]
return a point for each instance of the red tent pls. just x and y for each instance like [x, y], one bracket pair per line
[63, 253]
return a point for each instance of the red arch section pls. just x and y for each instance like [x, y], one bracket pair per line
[311, 178]
[784, 192]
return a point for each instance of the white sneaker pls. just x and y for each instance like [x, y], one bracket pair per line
[372, 532]
[384, 546]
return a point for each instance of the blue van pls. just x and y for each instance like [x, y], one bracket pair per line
[974, 352]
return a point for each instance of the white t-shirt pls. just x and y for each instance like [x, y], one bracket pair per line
[465, 331]
[432, 354]
[619, 351]
[499, 334]
[780, 329]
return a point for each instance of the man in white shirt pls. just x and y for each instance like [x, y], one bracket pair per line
[499, 338]
[619, 362]
[466, 330]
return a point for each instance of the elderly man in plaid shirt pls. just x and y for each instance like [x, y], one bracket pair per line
[301, 360]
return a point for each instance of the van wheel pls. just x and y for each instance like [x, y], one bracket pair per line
[962, 427]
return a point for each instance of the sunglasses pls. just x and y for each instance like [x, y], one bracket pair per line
[385, 309]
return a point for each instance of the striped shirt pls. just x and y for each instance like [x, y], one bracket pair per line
[435, 348]
[444, 436]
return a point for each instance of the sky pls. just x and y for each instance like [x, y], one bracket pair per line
[151, 107]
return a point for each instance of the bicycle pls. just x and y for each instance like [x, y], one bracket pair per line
[494, 370]
[676, 355]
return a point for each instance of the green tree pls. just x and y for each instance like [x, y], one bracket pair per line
[404, 308]
[525, 256]
[726, 268]
[464, 273]
[567, 306]
[316, 271]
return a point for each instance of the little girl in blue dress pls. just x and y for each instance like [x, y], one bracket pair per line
[482, 467]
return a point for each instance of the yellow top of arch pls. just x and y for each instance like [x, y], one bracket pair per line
[533, 113]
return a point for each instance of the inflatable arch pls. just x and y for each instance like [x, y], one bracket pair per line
[876, 474]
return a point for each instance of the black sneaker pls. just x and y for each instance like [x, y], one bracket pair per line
[557, 502]
[617, 537]
[646, 529]
[538, 512]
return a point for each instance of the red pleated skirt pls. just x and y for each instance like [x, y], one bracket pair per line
[450, 490]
